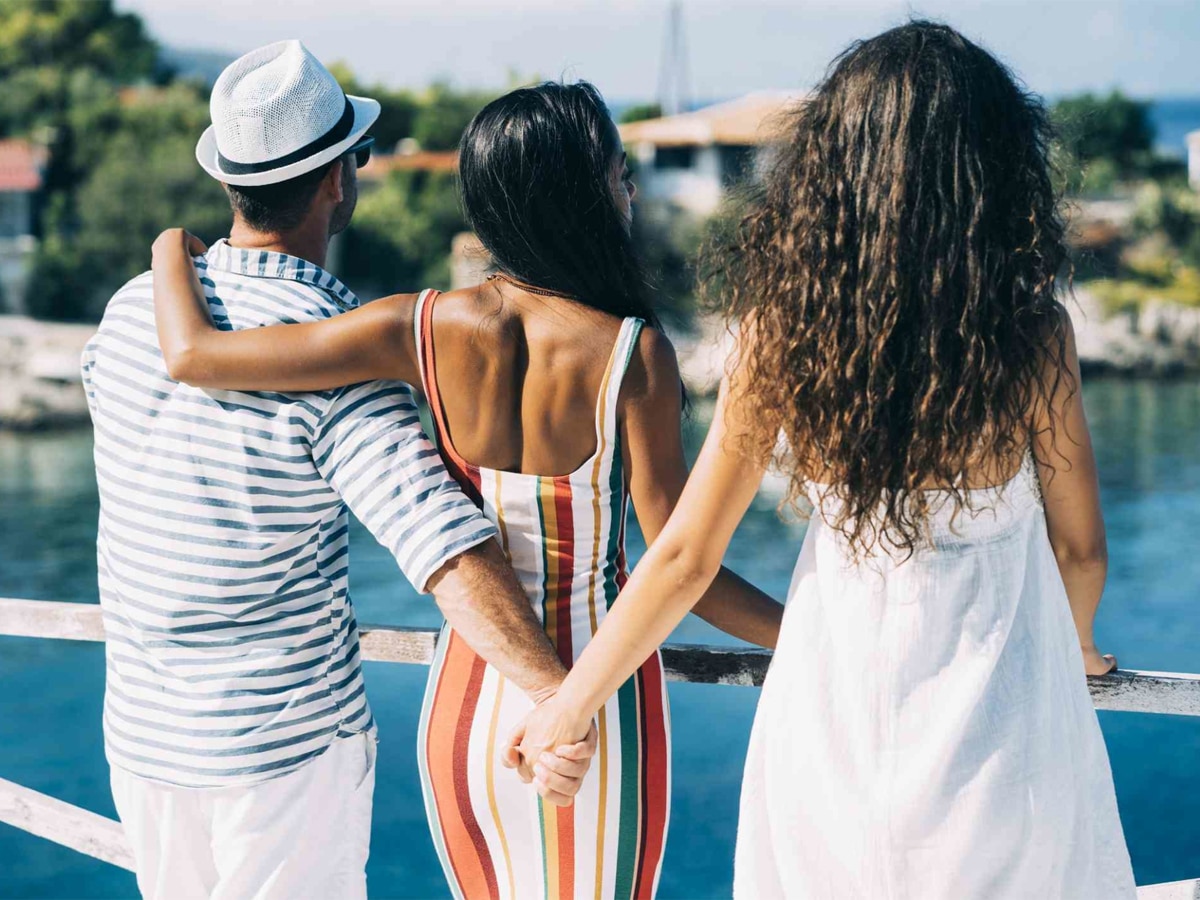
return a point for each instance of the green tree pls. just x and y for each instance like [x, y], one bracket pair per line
[145, 179]
[60, 63]
[1115, 128]
[74, 34]
[400, 237]
[641, 111]
[669, 244]
[397, 108]
[444, 114]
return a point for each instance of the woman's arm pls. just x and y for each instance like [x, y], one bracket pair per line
[653, 448]
[675, 572]
[372, 342]
[1067, 472]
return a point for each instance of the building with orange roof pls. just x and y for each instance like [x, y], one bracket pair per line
[690, 160]
[21, 168]
[382, 165]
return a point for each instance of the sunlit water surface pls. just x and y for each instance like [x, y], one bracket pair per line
[1148, 440]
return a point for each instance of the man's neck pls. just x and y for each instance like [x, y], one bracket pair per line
[309, 244]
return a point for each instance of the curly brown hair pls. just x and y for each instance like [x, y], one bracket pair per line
[899, 266]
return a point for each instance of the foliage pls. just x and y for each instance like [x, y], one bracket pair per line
[1105, 148]
[1114, 128]
[397, 108]
[70, 35]
[668, 243]
[444, 114]
[641, 111]
[60, 64]
[1161, 257]
[63, 66]
[1173, 211]
[1179, 285]
[144, 178]
[399, 239]
[434, 118]
[86, 81]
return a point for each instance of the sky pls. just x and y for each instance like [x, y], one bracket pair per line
[1148, 48]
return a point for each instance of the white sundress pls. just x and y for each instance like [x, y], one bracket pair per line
[925, 731]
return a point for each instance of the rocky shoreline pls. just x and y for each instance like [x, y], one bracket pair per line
[1159, 340]
[40, 384]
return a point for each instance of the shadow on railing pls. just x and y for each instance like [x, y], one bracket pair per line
[1168, 693]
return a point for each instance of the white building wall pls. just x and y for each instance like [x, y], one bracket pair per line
[696, 189]
[17, 246]
[1193, 145]
[16, 260]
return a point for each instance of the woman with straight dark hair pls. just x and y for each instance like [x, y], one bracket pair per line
[556, 399]
[925, 730]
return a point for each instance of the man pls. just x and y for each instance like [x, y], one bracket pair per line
[236, 726]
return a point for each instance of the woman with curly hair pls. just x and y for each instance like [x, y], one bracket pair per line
[925, 730]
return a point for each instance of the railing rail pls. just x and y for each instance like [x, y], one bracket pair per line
[1169, 693]
[72, 826]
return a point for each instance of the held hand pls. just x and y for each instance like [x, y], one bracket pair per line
[548, 732]
[174, 238]
[1096, 664]
[510, 756]
[558, 776]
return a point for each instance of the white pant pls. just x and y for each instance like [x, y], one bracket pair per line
[305, 834]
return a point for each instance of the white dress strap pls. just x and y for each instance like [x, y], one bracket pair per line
[419, 335]
[610, 389]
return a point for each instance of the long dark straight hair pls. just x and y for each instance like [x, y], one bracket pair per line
[535, 168]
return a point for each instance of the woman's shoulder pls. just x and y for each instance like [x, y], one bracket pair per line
[653, 362]
[475, 307]
[652, 381]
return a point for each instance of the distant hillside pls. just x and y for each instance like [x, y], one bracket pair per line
[201, 65]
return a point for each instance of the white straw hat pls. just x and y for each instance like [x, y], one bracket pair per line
[276, 114]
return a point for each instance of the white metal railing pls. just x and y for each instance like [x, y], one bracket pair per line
[1169, 693]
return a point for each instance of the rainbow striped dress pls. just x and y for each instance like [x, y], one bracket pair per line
[565, 536]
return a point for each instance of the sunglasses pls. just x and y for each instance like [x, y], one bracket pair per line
[362, 151]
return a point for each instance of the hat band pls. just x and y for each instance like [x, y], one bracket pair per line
[328, 139]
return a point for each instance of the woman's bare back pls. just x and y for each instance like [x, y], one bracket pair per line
[519, 376]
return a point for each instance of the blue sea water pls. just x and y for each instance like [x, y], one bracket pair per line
[1148, 442]
[1173, 118]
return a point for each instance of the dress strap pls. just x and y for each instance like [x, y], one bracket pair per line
[426, 359]
[610, 388]
[422, 319]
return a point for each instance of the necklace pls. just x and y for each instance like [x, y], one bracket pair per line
[521, 285]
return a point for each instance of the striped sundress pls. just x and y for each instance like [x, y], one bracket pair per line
[565, 536]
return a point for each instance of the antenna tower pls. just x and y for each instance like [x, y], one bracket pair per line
[673, 88]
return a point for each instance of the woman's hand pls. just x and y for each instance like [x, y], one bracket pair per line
[1096, 664]
[546, 748]
[174, 238]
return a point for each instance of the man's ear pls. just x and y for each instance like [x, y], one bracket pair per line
[332, 182]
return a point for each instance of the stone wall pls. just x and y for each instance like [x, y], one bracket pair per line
[39, 373]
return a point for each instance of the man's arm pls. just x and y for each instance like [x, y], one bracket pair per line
[482, 600]
[371, 449]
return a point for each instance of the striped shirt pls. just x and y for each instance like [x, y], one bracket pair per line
[232, 653]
